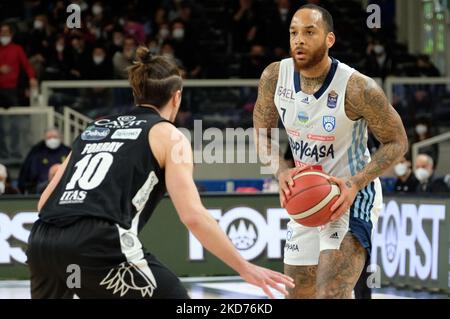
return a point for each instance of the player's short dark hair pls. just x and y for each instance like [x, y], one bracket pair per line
[327, 18]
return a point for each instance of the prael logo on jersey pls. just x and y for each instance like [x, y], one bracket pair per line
[332, 99]
[121, 122]
[329, 123]
[93, 133]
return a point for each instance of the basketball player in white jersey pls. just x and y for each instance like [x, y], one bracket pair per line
[326, 107]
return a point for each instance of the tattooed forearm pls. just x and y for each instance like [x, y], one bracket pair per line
[265, 116]
[365, 99]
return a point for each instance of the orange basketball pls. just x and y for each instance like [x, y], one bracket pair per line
[311, 198]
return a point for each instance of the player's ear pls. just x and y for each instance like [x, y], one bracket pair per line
[331, 38]
[176, 98]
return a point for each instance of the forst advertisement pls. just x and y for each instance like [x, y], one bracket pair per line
[410, 243]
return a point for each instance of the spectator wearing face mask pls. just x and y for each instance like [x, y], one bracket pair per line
[406, 181]
[423, 131]
[100, 67]
[41, 157]
[39, 43]
[378, 62]
[58, 63]
[424, 172]
[79, 56]
[116, 43]
[5, 185]
[185, 50]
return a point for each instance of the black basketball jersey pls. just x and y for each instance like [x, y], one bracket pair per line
[112, 173]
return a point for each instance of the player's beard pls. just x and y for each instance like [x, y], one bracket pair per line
[312, 60]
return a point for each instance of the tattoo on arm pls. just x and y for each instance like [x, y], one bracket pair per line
[265, 113]
[348, 184]
[366, 100]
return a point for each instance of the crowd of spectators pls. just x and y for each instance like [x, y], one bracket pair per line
[206, 38]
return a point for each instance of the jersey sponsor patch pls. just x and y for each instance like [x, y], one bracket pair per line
[329, 123]
[73, 197]
[315, 152]
[93, 133]
[121, 122]
[332, 99]
[293, 132]
[302, 118]
[321, 138]
[126, 134]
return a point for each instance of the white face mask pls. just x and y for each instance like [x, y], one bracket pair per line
[5, 40]
[38, 24]
[378, 49]
[53, 143]
[400, 169]
[422, 174]
[59, 48]
[421, 129]
[98, 59]
[178, 34]
[2, 188]
[97, 10]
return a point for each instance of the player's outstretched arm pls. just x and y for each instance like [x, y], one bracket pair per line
[183, 192]
[366, 100]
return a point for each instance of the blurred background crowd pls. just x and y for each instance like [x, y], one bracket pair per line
[208, 39]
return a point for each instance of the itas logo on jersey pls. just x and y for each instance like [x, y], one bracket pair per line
[304, 150]
[329, 123]
[332, 99]
[121, 122]
[93, 133]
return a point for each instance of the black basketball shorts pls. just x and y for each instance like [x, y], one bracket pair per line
[95, 258]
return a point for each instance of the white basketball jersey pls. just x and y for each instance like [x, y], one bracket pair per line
[320, 133]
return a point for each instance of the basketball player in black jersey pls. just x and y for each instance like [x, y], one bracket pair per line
[106, 191]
